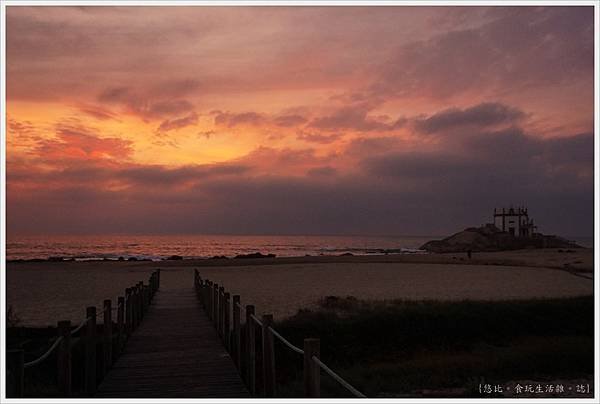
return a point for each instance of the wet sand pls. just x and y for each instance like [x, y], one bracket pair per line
[42, 293]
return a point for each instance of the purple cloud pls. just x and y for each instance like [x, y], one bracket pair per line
[478, 116]
[178, 123]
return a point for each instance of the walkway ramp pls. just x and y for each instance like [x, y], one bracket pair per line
[175, 353]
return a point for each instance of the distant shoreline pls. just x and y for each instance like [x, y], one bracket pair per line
[200, 247]
[143, 258]
[572, 260]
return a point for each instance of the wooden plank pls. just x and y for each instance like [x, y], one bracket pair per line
[174, 353]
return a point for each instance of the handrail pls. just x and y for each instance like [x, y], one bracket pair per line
[338, 378]
[59, 339]
[256, 319]
[56, 343]
[126, 321]
[286, 342]
[45, 355]
[80, 326]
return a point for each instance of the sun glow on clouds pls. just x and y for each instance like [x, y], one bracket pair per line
[346, 110]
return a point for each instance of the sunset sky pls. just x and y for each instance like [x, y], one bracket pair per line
[298, 120]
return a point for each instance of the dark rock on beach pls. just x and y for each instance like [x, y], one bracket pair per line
[175, 258]
[490, 238]
[255, 255]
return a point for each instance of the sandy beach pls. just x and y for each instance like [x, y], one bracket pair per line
[42, 293]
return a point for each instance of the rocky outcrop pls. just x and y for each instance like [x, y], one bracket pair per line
[490, 238]
[255, 255]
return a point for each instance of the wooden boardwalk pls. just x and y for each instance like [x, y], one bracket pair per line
[175, 353]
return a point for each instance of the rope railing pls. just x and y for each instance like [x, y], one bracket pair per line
[216, 303]
[286, 342]
[337, 378]
[45, 355]
[256, 319]
[130, 309]
[53, 347]
[81, 325]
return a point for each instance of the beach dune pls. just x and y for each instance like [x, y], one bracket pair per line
[42, 293]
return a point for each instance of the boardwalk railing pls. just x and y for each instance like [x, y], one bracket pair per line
[130, 309]
[241, 342]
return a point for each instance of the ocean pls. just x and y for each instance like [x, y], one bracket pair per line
[158, 247]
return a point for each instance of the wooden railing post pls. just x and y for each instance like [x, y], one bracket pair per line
[250, 350]
[142, 300]
[237, 332]
[205, 297]
[209, 297]
[133, 308]
[201, 293]
[128, 313]
[268, 359]
[107, 337]
[215, 317]
[15, 359]
[227, 322]
[221, 311]
[202, 296]
[138, 304]
[138, 310]
[64, 358]
[312, 373]
[120, 323]
[146, 298]
[90, 352]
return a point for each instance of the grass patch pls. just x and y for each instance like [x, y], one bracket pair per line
[395, 347]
